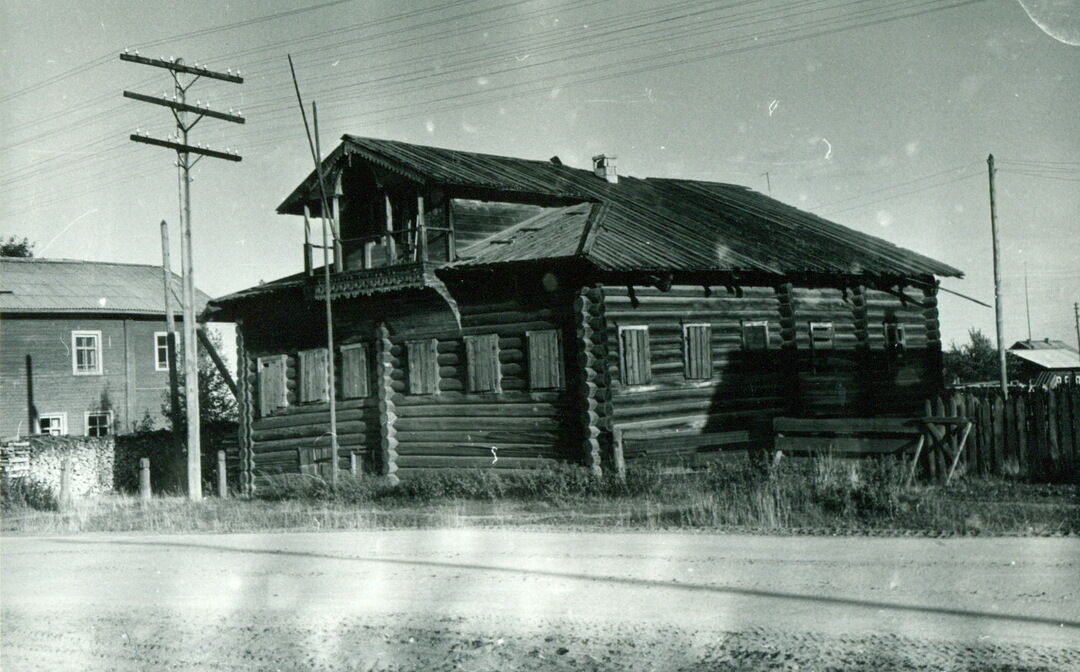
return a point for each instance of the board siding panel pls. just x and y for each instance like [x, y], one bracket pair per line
[546, 367]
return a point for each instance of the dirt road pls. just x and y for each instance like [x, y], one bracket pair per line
[508, 599]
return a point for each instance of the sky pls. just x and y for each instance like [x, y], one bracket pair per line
[878, 114]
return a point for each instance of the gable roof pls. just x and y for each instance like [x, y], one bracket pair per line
[1045, 344]
[652, 224]
[1058, 358]
[74, 286]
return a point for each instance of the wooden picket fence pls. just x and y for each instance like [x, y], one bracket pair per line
[1035, 434]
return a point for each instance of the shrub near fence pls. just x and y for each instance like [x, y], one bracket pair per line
[1034, 434]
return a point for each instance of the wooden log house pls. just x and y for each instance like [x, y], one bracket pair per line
[496, 312]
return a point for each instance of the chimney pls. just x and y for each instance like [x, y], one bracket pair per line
[604, 166]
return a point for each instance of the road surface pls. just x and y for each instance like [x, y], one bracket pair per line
[513, 599]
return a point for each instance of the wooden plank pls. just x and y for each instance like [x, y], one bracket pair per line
[355, 367]
[469, 424]
[1023, 466]
[847, 425]
[998, 420]
[937, 455]
[931, 463]
[844, 444]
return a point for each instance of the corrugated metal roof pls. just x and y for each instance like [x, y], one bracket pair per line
[1050, 359]
[648, 224]
[74, 286]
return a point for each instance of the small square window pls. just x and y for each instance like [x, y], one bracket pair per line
[86, 353]
[895, 339]
[54, 424]
[821, 335]
[99, 424]
[755, 336]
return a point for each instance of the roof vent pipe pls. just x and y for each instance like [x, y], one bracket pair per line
[604, 166]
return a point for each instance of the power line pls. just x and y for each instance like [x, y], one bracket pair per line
[947, 171]
[906, 193]
[104, 58]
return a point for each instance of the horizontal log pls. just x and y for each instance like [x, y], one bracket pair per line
[469, 424]
[452, 398]
[843, 445]
[474, 408]
[322, 441]
[309, 431]
[441, 462]
[846, 425]
[305, 415]
[481, 450]
[478, 436]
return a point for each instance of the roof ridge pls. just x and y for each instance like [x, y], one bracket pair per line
[61, 260]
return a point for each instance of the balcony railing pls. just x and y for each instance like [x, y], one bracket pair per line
[397, 246]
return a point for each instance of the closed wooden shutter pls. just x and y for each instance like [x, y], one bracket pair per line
[423, 364]
[314, 379]
[354, 371]
[697, 351]
[545, 360]
[271, 379]
[482, 360]
[634, 351]
[755, 336]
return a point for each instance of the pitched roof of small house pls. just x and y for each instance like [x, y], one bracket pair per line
[1047, 354]
[75, 286]
[651, 224]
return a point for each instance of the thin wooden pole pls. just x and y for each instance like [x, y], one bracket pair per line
[329, 319]
[1076, 320]
[222, 482]
[170, 340]
[191, 353]
[998, 308]
[144, 479]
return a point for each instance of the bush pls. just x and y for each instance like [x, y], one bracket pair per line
[26, 493]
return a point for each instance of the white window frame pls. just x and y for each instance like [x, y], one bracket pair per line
[754, 323]
[63, 422]
[75, 336]
[86, 421]
[159, 366]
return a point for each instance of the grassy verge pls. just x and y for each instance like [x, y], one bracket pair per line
[821, 496]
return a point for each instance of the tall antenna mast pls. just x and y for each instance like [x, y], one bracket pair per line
[180, 109]
[1027, 301]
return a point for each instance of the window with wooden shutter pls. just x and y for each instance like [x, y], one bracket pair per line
[273, 393]
[482, 362]
[634, 355]
[895, 339]
[755, 336]
[697, 351]
[314, 378]
[545, 359]
[354, 371]
[422, 360]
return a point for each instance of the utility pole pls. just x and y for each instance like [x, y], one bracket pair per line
[1076, 321]
[170, 341]
[998, 315]
[180, 109]
[1027, 301]
[768, 182]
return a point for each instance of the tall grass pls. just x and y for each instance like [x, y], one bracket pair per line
[817, 494]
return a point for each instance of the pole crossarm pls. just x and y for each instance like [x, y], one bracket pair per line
[180, 147]
[184, 107]
[180, 67]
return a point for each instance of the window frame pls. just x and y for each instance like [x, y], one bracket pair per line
[898, 341]
[560, 355]
[164, 366]
[744, 324]
[435, 378]
[365, 361]
[61, 416]
[108, 423]
[259, 382]
[622, 355]
[307, 380]
[686, 326]
[496, 364]
[76, 334]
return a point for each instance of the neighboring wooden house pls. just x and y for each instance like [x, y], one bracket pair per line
[487, 306]
[82, 346]
[1046, 363]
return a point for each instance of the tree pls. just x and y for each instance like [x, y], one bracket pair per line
[973, 362]
[217, 404]
[13, 247]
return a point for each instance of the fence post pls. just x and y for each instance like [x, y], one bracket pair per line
[222, 482]
[144, 479]
[66, 496]
[354, 468]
